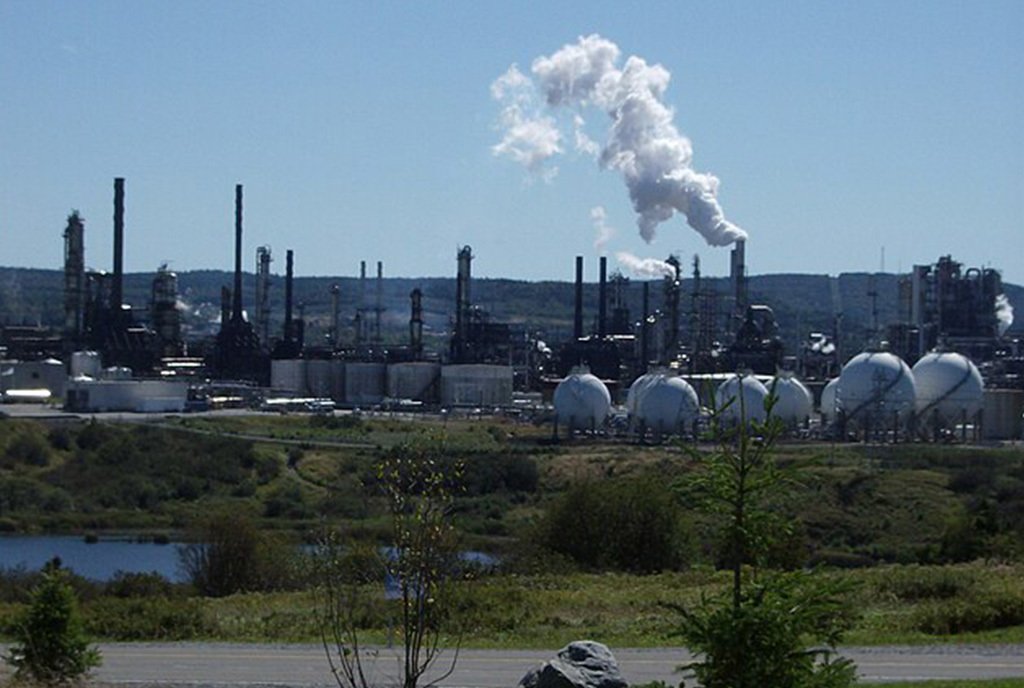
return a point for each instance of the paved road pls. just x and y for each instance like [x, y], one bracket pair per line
[304, 666]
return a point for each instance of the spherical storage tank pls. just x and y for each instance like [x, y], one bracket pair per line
[582, 401]
[875, 386]
[829, 401]
[666, 404]
[793, 403]
[638, 389]
[741, 397]
[949, 388]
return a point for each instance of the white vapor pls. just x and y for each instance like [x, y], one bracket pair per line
[642, 143]
[530, 138]
[645, 267]
[604, 232]
[1004, 313]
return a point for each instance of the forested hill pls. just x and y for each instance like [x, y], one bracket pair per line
[802, 303]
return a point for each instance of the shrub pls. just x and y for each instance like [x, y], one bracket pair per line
[629, 525]
[982, 611]
[130, 584]
[28, 448]
[50, 644]
[147, 618]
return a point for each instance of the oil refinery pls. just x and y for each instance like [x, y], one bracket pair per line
[655, 358]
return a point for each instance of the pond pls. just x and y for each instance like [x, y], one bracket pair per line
[96, 560]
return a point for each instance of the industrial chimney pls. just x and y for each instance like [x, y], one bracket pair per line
[577, 326]
[602, 298]
[117, 287]
[416, 324]
[289, 325]
[236, 310]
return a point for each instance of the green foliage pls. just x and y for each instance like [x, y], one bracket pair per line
[27, 448]
[763, 640]
[231, 555]
[627, 525]
[757, 633]
[51, 646]
[147, 618]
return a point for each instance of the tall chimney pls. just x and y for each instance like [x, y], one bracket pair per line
[289, 325]
[361, 307]
[416, 324]
[645, 347]
[236, 308]
[602, 296]
[335, 315]
[577, 325]
[116, 288]
[380, 302]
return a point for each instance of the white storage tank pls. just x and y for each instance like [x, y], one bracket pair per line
[476, 384]
[638, 389]
[668, 405]
[876, 387]
[829, 401]
[286, 375]
[741, 397]
[581, 402]
[365, 383]
[950, 389]
[86, 363]
[793, 403]
[416, 380]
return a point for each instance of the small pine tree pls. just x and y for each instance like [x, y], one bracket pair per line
[50, 643]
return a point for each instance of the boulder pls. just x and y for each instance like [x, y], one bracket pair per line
[580, 664]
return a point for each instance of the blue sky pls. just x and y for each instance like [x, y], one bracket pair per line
[364, 131]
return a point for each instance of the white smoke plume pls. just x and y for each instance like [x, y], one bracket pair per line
[1004, 313]
[645, 267]
[603, 231]
[530, 137]
[642, 143]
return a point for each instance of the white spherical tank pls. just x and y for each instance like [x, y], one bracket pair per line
[668, 404]
[793, 403]
[638, 389]
[874, 387]
[950, 388]
[741, 397]
[828, 401]
[582, 401]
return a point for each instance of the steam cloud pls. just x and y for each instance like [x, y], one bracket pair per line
[642, 144]
[603, 231]
[645, 267]
[1004, 313]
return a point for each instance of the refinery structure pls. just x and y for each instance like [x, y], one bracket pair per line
[690, 356]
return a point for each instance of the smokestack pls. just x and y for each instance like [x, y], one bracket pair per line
[380, 302]
[116, 288]
[335, 315]
[602, 297]
[416, 324]
[289, 326]
[645, 355]
[738, 273]
[74, 279]
[225, 306]
[361, 307]
[578, 312]
[236, 309]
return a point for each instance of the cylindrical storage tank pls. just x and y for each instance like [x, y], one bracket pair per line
[874, 388]
[476, 384]
[829, 401]
[950, 389]
[318, 382]
[741, 397]
[416, 380]
[87, 363]
[287, 375]
[793, 403]
[364, 383]
[581, 401]
[668, 405]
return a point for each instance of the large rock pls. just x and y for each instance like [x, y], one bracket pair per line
[581, 664]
